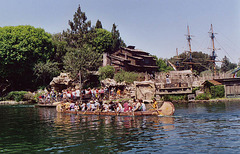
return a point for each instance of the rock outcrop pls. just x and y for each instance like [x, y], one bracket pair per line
[62, 81]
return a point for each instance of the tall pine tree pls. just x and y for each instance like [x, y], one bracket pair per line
[98, 24]
[80, 30]
[117, 41]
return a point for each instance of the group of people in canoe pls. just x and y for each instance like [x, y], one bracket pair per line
[98, 105]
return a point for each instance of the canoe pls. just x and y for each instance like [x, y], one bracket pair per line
[167, 109]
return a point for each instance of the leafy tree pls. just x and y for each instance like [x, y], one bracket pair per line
[162, 65]
[117, 41]
[98, 24]
[60, 48]
[106, 72]
[84, 60]
[102, 41]
[227, 65]
[46, 71]
[200, 61]
[21, 47]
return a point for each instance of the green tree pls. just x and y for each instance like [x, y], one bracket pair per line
[80, 30]
[21, 47]
[117, 40]
[98, 24]
[84, 60]
[200, 61]
[227, 65]
[162, 65]
[46, 71]
[102, 41]
[106, 72]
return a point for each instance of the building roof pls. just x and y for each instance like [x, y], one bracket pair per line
[135, 50]
[148, 66]
[214, 82]
[228, 80]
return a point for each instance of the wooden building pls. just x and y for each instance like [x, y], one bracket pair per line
[231, 86]
[131, 59]
[208, 83]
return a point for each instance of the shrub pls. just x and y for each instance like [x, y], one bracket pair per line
[217, 91]
[16, 95]
[174, 97]
[106, 72]
[204, 96]
[195, 89]
[128, 77]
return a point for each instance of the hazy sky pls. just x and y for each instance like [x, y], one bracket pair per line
[155, 26]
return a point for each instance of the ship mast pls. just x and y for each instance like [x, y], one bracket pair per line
[190, 48]
[190, 58]
[213, 55]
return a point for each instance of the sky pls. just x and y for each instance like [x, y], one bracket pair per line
[154, 26]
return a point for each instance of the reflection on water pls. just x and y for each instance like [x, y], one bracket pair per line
[198, 128]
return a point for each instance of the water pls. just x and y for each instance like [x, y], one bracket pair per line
[195, 128]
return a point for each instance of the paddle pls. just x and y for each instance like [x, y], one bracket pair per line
[152, 105]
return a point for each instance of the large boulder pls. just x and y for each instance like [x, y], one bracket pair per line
[111, 83]
[62, 81]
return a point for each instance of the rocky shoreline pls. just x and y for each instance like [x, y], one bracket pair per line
[10, 102]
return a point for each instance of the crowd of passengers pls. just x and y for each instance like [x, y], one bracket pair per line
[96, 105]
[75, 94]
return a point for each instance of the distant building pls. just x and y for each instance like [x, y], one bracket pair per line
[131, 59]
[231, 86]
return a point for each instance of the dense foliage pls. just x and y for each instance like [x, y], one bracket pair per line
[204, 96]
[162, 65]
[200, 61]
[46, 71]
[175, 97]
[106, 72]
[84, 60]
[117, 40]
[227, 65]
[16, 95]
[128, 77]
[217, 91]
[21, 47]
[102, 41]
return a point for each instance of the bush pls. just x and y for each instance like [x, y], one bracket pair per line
[174, 97]
[128, 77]
[106, 72]
[195, 89]
[203, 96]
[16, 95]
[217, 91]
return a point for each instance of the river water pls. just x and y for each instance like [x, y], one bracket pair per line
[195, 128]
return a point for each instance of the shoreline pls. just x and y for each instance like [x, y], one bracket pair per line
[220, 100]
[10, 102]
